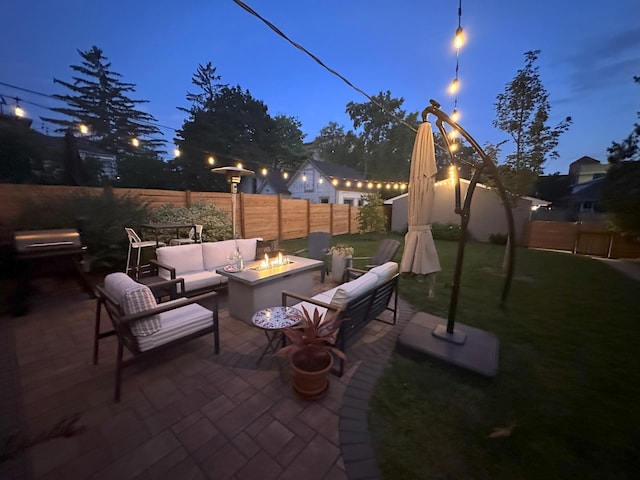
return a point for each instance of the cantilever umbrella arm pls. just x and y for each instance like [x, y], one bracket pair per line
[464, 211]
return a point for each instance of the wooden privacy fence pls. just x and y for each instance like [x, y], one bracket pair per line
[267, 216]
[585, 238]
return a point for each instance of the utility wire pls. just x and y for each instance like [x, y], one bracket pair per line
[243, 5]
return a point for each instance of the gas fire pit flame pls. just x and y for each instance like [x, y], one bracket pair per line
[273, 262]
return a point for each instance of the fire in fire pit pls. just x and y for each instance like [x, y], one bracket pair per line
[272, 262]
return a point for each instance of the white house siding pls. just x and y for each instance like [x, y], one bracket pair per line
[312, 189]
[487, 215]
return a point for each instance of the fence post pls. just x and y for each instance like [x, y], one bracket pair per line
[308, 217]
[187, 198]
[279, 217]
[331, 218]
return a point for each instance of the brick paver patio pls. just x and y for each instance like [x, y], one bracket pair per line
[186, 414]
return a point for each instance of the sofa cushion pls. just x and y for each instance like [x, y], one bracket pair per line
[176, 324]
[133, 297]
[184, 258]
[201, 279]
[215, 253]
[354, 288]
[248, 248]
[385, 272]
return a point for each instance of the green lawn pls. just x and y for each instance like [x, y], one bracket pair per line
[569, 374]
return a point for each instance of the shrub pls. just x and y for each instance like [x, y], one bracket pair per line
[101, 219]
[446, 231]
[498, 238]
[215, 222]
[371, 217]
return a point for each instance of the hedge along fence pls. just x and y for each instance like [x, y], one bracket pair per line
[267, 216]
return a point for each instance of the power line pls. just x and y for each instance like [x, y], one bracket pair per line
[243, 5]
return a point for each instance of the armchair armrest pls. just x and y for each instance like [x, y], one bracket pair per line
[302, 250]
[167, 288]
[354, 272]
[169, 268]
[302, 298]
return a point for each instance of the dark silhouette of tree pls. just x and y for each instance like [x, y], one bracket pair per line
[99, 100]
[231, 126]
[522, 111]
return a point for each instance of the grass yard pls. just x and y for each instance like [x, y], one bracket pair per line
[568, 380]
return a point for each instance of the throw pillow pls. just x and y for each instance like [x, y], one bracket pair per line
[270, 247]
[350, 290]
[139, 299]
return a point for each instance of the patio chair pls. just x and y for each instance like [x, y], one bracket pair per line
[195, 236]
[143, 326]
[385, 253]
[136, 243]
[318, 246]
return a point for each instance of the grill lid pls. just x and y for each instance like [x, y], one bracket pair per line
[35, 242]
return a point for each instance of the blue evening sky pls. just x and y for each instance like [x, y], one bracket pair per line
[590, 51]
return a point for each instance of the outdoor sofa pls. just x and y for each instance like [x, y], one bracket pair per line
[196, 263]
[359, 301]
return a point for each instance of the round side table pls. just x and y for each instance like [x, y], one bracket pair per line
[272, 320]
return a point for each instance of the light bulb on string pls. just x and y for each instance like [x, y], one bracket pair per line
[84, 130]
[211, 160]
[176, 152]
[264, 172]
[285, 175]
[454, 86]
[455, 115]
[458, 41]
[18, 110]
[135, 142]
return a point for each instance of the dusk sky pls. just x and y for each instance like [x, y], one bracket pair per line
[590, 51]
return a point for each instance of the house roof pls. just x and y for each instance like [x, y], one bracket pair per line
[588, 191]
[584, 160]
[276, 181]
[332, 170]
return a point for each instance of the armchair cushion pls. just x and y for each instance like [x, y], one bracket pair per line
[354, 288]
[177, 324]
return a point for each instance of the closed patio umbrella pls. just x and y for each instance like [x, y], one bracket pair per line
[420, 256]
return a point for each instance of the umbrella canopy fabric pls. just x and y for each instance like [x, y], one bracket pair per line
[420, 255]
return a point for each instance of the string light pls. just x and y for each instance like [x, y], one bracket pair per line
[320, 181]
[18, 110]
[211, 160]
[458, 42]
[84, 130]
[135, 142]
[264, 172]
[176, 152]
[285, 175]
[239, 165]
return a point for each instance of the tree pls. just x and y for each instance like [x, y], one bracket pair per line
[621, 192]
[371, 217]
[230, 125]
[522, 111]
[387, 141]
[99, 100]
[339, 147]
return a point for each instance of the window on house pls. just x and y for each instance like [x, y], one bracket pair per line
[324, 199]
[348, 201]
[308, 181]
[586, 207]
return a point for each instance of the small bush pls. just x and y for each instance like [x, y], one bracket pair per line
[371, 217]
[498, 238]
[215, 222]
[446, 231]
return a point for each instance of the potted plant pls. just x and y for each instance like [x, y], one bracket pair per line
[340, 254]
[311, 352]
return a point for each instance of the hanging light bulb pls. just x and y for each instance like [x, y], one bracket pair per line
[369, 185]
[83, 129]
[359, 184]
[135, 142]
[455, 115]
[379, 185]
[453, 134]
[453, 147]
[264, 172]
[18, 110]
[334, 182]
[348, 184]
[239, 165]
[176, 152]
[285, 175]
[454, 87]
[458, 41]
[211, 160]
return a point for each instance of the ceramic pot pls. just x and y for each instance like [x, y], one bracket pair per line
[311, 382]
[338, 266]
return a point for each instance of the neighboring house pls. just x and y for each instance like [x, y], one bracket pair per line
[86, 150]
[271, 183]
[586, 169]
[487, 215]
[325, 182]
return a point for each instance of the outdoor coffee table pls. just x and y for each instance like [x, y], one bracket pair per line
[254, 289]
[272, 320]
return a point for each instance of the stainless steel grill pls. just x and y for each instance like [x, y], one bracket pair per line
[47, 243]
[41, 253]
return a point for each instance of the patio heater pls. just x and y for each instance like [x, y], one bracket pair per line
[234, 175]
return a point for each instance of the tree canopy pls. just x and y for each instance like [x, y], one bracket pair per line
[228, 124]
[522, 111]
[99, 100]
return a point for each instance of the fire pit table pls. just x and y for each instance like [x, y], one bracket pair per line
[256, 288]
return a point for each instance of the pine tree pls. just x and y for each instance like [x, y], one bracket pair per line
[99, 100]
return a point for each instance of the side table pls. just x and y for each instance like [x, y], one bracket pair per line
[272, 320]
